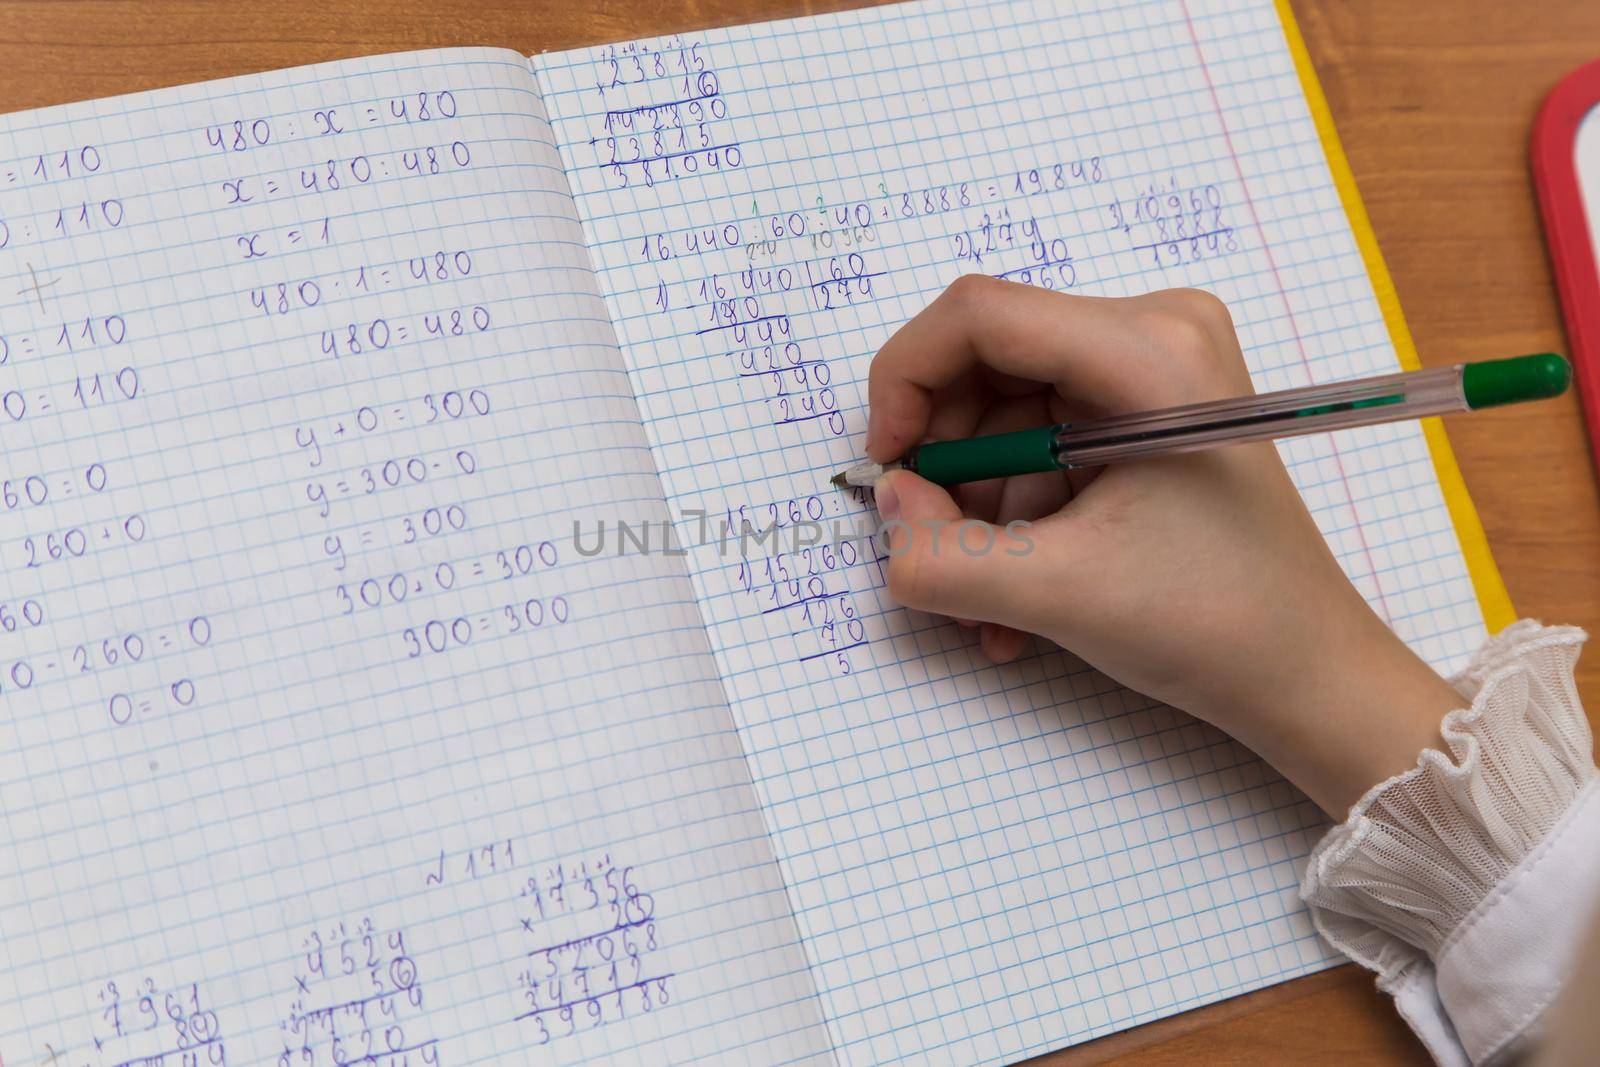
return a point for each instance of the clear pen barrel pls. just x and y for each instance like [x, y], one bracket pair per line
[1311, 409]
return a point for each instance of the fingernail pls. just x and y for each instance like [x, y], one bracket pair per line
[888, 499]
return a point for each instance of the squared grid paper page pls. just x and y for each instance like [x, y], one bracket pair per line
[984, 862]
[320, 742]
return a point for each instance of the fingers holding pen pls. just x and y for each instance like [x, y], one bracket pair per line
[1102, 354]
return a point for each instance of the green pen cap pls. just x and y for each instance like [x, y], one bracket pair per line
[1507, 381]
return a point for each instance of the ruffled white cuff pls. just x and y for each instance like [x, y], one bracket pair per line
[1466, 882]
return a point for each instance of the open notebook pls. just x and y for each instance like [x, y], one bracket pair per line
[327, 735]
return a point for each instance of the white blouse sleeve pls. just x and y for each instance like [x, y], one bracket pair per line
[1468, 882]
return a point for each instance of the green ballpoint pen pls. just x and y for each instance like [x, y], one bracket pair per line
[1268, 416]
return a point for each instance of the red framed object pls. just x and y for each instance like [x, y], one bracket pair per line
[1573, 237]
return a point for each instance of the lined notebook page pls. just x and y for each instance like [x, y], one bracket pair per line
[319, 742]
[985, 863]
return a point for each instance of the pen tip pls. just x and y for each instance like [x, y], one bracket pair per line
[864, 473]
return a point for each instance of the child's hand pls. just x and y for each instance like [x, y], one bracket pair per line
[1199, 579]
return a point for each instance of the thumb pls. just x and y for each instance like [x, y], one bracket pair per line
[943, 562]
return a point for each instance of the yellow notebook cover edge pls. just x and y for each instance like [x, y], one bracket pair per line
[1493, 600]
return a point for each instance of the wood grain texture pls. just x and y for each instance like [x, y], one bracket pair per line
[1433, 101]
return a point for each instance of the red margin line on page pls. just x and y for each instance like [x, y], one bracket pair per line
[1288, 309]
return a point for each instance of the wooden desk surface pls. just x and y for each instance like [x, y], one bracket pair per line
[1433, 101]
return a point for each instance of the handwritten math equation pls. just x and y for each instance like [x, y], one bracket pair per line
[768, 291]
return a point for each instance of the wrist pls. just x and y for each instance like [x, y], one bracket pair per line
[1361, 709]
